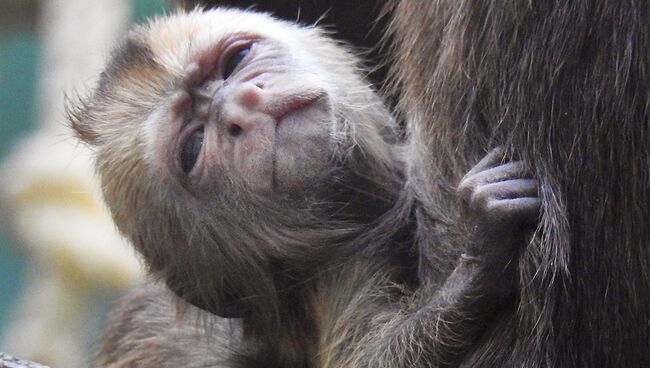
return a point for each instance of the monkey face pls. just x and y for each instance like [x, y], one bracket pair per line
[247, 109]
[230, 94]
[221, 139]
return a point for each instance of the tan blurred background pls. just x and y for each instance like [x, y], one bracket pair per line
[61, 261]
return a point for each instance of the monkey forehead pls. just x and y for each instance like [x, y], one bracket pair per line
[175, 40]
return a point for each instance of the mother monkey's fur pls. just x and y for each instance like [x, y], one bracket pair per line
[565, 85]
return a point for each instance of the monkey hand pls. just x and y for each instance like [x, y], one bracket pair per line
[499, 205]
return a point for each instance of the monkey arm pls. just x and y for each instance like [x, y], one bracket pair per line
[498, 204]
[444, 329]
[419, 331]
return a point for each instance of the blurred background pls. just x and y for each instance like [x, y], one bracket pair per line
[61, 262]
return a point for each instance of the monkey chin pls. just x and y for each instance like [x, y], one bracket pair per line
[304, 147]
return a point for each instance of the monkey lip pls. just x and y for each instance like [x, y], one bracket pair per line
[293, 103]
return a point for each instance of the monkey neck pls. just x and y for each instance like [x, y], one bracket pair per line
[308, 324]
[307, 327]
[358, 289]
[311, 300]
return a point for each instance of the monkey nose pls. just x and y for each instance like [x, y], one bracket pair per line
[243, 110]
[234, 108]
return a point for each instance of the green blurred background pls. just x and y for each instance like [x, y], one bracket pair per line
[19, 74]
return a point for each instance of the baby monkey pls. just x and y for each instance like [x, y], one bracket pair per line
[262, 180]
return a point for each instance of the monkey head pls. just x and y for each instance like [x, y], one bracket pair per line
[228, 145]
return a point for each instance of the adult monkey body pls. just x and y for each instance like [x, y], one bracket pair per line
[564, 84]
[252, 168]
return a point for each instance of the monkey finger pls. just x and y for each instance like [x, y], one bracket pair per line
[508, 189]
[518, 210]
[511, 170]
[493, 158]
[507, 171]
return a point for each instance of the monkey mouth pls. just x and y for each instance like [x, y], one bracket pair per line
[293, 104]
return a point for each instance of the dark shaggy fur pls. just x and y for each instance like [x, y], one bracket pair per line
[564, 85]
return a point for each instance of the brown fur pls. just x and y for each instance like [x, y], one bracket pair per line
[564, 85]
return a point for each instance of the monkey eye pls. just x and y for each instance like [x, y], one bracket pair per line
[234, 60]
[190, 150]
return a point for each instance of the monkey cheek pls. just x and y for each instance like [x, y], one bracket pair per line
[251, 158]
[257, 171]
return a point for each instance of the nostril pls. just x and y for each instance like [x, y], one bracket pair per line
[235, 130]
[259, 85]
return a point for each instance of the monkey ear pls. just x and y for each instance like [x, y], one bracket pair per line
[79, 118]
